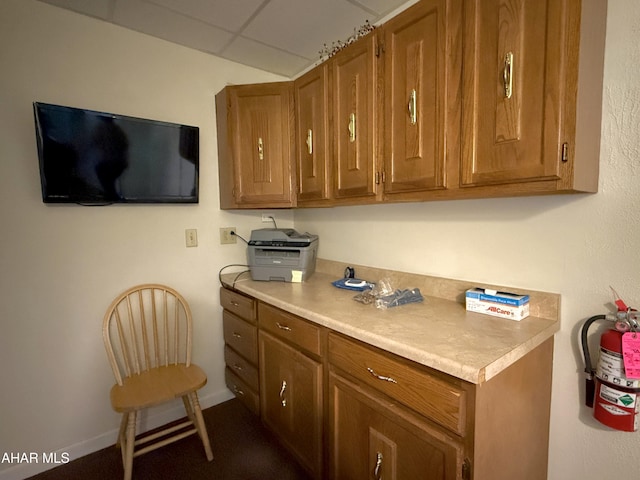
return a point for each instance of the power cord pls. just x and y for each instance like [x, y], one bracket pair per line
[233, 285]
[234, 233]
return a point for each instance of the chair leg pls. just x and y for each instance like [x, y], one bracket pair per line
[200, 425]
[188, 408]
[121, 433]
[129, 443]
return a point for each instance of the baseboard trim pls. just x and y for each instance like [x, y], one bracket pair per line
[104, 440]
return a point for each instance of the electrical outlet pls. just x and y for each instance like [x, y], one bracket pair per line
[226, 237]
[191, 237]
[267, 218]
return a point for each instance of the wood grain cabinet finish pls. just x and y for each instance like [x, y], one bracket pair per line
[449, 99]
[291, 385]
[240, 331]
[256, 145]
[532, 90]
[355, 116]
[418, 64]
[313, 145]
[373, 438]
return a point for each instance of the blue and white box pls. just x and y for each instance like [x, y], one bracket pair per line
[498, 304]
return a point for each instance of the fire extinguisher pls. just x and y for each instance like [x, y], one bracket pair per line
[615, 398]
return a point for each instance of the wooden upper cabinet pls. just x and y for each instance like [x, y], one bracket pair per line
[530, 66]
[313, 152]
[256, 161]
[416, 65]
[354, 90]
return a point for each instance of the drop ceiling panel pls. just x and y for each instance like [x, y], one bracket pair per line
[160, 22]
[230, 15]
[279, 36]
[303, 26]
[264, 57]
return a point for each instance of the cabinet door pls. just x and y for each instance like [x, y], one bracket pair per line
[354, 71]
[512, 91]
[291, 399]
[312, 139]
[374, 439]
[261, 138]
[416, 55]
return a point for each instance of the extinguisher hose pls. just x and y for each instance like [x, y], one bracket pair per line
[588, 368]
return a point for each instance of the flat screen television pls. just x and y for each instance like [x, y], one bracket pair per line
[98, 158]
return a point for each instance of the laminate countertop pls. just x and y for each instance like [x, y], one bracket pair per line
[438, 332]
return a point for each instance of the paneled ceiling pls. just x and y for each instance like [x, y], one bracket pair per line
[279, 36]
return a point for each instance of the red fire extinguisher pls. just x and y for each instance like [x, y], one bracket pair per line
[615, 398]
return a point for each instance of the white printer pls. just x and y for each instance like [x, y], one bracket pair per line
[281, 254]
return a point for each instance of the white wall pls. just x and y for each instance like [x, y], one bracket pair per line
[574, 245]
[62, 265]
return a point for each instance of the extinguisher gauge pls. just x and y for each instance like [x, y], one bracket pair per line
[622, 326]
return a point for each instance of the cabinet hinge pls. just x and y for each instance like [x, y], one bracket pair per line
[565, 152]
[380, 178]
[379, 49]
[466, 469]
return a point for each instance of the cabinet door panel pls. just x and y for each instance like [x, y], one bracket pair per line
[262, 144]
[512, 88]
[354, 93]
[371, 438]
[312, 145]
[415, 98]
[291, 399]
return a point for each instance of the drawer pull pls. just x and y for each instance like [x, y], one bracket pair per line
[283, 327]
[234, 303]
[237, 391]
[380, 377]
[283, 390]
[238, 367]
[237, 335]
[377, 471]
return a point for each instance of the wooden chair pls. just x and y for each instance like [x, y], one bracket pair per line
[147, 332]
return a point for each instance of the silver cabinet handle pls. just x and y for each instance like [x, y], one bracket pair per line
[283, 327]
[238, 367]
[237, 391]
[237, 335]
[352, 127]
[377, 471]
[310, 141]
[283, 390]
[507, 75]
[260, 149]
[380, 377]
[234, 303]
[413, 112]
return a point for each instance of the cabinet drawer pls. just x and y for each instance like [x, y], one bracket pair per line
[435, 398]
[244, 307]
[289, 327]
[241, 336]
[241, 367]
[242, 391]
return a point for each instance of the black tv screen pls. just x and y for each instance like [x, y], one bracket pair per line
[90, 157]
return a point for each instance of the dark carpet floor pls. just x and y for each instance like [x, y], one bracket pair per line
[242, 450]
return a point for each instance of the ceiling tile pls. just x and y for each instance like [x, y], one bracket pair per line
[264, 57]
[381, 7]
[94, 8]
[155, 20]
[304, 26]
[227, 14]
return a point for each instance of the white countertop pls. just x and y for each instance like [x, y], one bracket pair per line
[438, 332]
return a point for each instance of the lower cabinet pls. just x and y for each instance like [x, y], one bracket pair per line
[291, 399]
[350, 411]
[373, 438]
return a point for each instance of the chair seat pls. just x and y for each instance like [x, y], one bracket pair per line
[155, 386]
